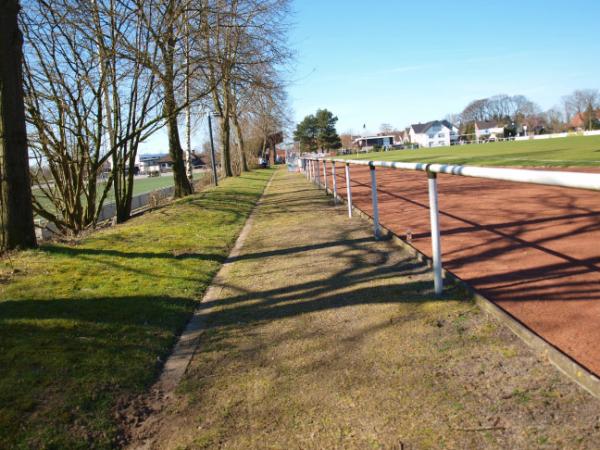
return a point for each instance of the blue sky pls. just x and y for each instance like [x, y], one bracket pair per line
[401, 62]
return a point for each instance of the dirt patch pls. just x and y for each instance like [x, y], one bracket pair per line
[322, 337]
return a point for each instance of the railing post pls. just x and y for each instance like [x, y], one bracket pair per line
[325, 175]
[348, 190]
[376, 230]
[436, 249]
[334, 182]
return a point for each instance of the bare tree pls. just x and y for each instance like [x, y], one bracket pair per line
[555, 120]
[582, 102]
[246, 43]
[64, 90]
[475, 111]
[501, 108]
[132, 109]
[166, 23]
[386, 128]
[15, 185]
[346, 138]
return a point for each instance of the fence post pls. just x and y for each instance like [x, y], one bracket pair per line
[348, 190]
[334, 182]
[325, 175]
[436, 249]
[376, 230]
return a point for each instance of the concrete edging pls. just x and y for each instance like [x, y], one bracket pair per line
[564, 363]
[179, 360]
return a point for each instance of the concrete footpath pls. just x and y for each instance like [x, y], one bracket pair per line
[318, 336]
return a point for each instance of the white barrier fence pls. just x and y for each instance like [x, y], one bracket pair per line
[46, 230]
[311, 168]
[558, 135]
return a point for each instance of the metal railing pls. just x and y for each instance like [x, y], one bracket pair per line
[311, 168]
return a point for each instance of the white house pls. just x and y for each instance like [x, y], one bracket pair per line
[438, 133]
[488, 130]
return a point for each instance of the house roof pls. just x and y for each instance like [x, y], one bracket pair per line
[488, 124]
[423, 127]
[579, 119]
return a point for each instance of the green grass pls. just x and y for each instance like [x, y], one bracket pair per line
[560, 152]
[143, 185]
[83, 327]
[140, 186]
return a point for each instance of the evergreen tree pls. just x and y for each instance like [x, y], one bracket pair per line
[327, 137]
[318, 132]
[306, 134]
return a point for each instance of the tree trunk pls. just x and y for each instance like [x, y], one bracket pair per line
[240, 138]
[272, 152]
[15, 183]
[225, 146]
[182, 183]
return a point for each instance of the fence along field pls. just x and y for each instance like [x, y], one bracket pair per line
[524, 246]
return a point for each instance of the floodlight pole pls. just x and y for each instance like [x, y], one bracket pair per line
[212, 150]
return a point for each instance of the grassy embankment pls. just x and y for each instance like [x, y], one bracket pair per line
[85, 326]
[582, 151]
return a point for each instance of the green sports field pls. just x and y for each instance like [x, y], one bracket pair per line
[141, 185]
[583, 151]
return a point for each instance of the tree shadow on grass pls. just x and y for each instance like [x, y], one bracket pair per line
[77, 252]
[66, 363]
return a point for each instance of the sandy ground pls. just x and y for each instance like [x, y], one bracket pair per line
[321, 337]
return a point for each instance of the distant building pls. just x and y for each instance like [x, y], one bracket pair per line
[580, 120]
[438, 133]
[489, 130]
[164, 162]
[369, 142]
[401, 137]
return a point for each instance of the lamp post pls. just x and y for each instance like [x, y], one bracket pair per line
[212, 147]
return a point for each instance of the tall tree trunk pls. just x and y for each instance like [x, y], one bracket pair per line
[226, 132]
[240, 138]
[225, 146]
[15, 183]
[272, 151]
[182, 183]
[183, 186]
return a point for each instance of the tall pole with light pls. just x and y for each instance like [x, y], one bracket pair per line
[212, 148]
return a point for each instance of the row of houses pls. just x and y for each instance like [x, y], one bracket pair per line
[437, 133]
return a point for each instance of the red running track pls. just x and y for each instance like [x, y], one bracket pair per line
[533, 250]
